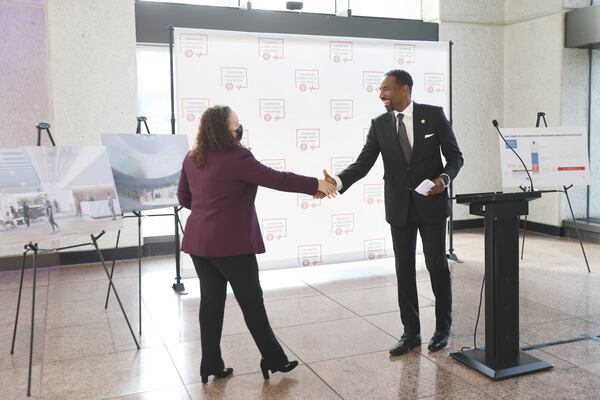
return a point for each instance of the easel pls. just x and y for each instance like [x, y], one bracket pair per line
[542, 116]
[178, 285]
[44, 126]
[33, 247]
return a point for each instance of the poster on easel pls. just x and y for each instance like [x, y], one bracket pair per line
[50, 192]
[553, 156]
[146, 168]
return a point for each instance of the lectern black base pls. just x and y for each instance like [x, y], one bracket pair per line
[525, 365]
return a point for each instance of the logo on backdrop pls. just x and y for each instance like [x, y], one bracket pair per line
[193, 45]
[270, 49]
[404, 54]
[342, 224]
[274, 229]
[340, 52]
[341, 109]
[308, 139]
[234, 78]
[310, 255]
[193, 108]
[272, 110]
[434, 83]
[307, 80]
[374, 248]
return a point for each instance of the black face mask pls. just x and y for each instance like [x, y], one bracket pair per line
[239, 132]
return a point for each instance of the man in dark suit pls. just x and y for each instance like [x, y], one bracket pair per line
[409, 137]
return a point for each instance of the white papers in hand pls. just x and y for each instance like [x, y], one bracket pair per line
[424, 187]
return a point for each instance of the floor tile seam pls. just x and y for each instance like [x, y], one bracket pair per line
[177, 369]
[491, 382]
[104, 353]
[147, 391]
[447, 370]
[562, 320]
[386, 284]
[43, 345]
[162, 342]
[359, 316]
[551, 307]
[309, 367]
[350, 290]
[366, 353]
[109, 353]
[41, 386]
[558, 320]
[315, 322]
[87, 279]
[444, 394]
[109, 315]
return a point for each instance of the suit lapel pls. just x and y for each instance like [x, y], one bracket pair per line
[418, 133]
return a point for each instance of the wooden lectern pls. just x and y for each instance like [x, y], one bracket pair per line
[502, 357]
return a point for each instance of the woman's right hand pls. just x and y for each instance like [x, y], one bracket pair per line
[326, 189]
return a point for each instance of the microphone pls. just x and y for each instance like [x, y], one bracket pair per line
[495, 123]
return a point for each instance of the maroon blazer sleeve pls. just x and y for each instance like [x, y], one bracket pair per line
[253, 171]
[183, 191]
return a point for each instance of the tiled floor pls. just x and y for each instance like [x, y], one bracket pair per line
[338, 321]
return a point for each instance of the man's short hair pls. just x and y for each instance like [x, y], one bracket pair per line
[402, 78]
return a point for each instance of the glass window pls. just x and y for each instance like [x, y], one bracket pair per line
[311, 6]
[222, 3]
[154, 102]
[154, 87]
[403, 9]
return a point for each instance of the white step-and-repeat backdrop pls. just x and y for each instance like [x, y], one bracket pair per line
[306, 103]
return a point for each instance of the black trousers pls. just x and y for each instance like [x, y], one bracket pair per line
[433, 237]
[242, 273]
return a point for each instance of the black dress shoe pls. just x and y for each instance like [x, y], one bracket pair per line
[218, 375]
[438, 341]
[282, 368]
[405, 344]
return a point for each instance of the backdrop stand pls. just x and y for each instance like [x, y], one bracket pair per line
[541, 116]
[178, 285]
[450, 254]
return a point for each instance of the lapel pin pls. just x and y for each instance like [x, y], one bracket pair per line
[422, 121]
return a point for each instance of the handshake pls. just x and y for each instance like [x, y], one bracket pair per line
[327, 187]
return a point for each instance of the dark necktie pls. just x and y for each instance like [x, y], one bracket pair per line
[403, 138]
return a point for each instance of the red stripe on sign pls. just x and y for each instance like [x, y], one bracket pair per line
[571, 168]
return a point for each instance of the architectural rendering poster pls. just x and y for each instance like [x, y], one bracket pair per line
[146, 168]
[48, 192]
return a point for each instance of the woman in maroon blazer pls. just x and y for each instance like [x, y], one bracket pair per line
[218, 183]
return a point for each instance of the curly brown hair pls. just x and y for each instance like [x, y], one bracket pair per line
[213, 134]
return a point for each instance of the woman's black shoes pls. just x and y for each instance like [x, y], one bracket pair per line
[218, 375]
[283, 368]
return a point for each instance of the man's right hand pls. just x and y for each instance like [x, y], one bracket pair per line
[329, 180]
